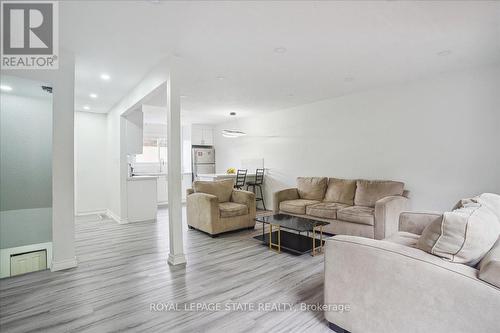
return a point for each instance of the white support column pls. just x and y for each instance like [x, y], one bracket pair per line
[176, 254]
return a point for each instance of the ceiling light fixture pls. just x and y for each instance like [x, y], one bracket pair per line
[280, 49]
[5, 88]
[444, 53]
[92, 95]
[232, 133]
[348, 79]
[105, 77]
[220, 78]
[86, 107]
[183, 96]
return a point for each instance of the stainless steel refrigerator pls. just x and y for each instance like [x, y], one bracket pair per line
[203, 161]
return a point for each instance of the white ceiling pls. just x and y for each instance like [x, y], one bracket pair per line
[332, 48]
[24, 87]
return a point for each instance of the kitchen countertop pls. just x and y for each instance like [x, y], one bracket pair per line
[137, 178]
[214, 175]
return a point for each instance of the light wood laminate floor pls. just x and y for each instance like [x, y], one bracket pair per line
[123, 269]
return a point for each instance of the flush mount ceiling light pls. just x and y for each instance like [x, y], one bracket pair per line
[86, 107]
[232, 133]
[5, 88]
[280, 49]
[444, 53]
[92, 95]
[105, 77]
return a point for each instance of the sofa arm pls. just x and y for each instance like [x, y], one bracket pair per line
[246, 198]
[287, 194]
[394, 288]
[387, 211]
[416, 222]
[189, 191]
[202, 211]
[489, 267]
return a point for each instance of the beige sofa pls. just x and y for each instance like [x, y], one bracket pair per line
[393, 286]
[366, 208]
[215, 207]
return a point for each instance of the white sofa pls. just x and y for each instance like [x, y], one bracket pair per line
[391, 286]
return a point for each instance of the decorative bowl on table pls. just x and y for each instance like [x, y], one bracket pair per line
[231, 171]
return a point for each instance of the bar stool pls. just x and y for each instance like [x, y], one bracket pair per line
[259, 180]
[241, 176]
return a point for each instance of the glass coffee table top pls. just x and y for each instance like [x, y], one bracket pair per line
[292, 241]
[291, 222]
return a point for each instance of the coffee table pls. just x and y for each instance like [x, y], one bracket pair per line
[294, 242]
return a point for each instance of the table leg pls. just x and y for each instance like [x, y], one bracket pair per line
[271, 244]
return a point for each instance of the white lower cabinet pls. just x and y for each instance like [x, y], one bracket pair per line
[163, 187]
[162, 190]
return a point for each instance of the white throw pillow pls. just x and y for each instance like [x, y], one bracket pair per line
[463, 235]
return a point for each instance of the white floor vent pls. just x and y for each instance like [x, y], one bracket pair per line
[28, 262]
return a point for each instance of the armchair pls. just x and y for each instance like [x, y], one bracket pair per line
[216, 207]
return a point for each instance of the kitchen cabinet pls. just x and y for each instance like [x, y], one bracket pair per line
[134, 132]
[142, 198]
[162, 188]
[202, 135]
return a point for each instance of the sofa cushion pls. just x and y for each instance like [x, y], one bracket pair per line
[222, 189]
[341, 191]
[297, 206]
[326, 210]
[312, 188]
[491, 201]
[403, 238]
[368, 192]
[357, 214]
[231, 209]
[489, 267]
[463, 235]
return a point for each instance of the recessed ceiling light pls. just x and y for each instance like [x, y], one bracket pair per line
[105, 77]
[183, 96]
[92, 95]
[86, 107]
[5, 88]
[220, 78]
[280, 49]
[444, 53]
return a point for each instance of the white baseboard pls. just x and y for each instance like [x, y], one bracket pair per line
[6, 253]
[63, 264]
[116, 217]
[177, 259]
[95, 212]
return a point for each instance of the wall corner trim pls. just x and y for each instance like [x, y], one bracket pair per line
[116, 217]
[63, 264]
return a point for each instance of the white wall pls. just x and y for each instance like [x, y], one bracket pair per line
[63, 111]
[439, 135]
[90, 162]
[26, 169]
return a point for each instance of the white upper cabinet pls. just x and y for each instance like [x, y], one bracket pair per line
[134, 132]
[202, 135]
